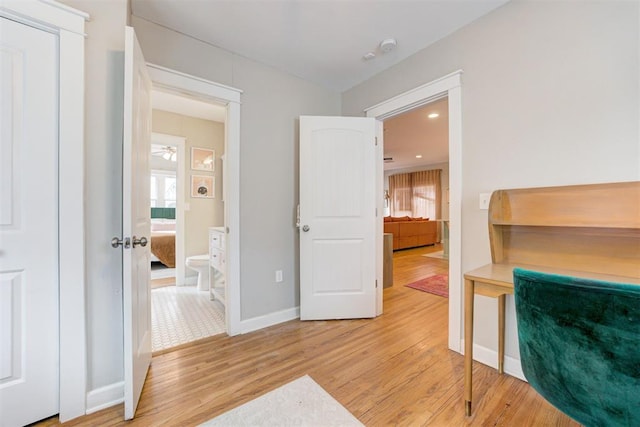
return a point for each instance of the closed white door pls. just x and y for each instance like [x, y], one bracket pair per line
[338, 217]
[136, 256]
[28, 224]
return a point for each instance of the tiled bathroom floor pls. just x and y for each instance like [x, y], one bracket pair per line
[180, 314]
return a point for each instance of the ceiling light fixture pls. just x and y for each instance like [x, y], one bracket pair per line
[433, 115]
[418, 156]
[368, 56]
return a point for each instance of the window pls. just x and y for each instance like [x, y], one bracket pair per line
[163, 188]
[416, 194]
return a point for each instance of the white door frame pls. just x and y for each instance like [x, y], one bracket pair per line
[181, 83]
[179, 142]
[68, 24]
[450, 86]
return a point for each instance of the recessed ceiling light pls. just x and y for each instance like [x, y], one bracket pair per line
[418, 156]
[433, 115]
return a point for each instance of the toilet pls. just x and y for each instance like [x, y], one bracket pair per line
[200, 263]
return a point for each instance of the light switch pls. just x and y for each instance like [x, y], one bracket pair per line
[484, 200]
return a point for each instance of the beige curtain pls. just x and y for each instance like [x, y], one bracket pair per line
[417, 194]
[400, 194]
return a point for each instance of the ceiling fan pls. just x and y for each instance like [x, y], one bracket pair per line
[165, 151]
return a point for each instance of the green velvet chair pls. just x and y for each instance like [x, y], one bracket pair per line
[580, 345]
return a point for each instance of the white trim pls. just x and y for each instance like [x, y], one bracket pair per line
[68, 23]
[179, 142]
[46, 14]
[415, 97]
[105, 397]
[260, 322]
[450, 86]
[379, 237]
[202, 89]
[489, 357]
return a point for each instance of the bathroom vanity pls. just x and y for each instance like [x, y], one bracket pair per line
[217, 262]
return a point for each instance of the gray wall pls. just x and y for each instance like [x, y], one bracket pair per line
[271, 103]
[550, 96]
[104, 61]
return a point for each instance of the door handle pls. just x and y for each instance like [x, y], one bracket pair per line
[141, 241]
[306, 228]
[125, 243]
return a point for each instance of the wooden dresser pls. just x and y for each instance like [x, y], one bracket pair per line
[588, 231]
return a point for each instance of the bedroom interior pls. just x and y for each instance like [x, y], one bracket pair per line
[183, 309]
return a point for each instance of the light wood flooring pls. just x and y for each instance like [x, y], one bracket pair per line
[392, 370]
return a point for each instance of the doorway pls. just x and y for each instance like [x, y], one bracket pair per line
[416, 185]
[449, 86]
[203, 90]
[187, 147]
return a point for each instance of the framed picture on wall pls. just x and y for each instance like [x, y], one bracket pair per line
[202, 186]
[202, 159]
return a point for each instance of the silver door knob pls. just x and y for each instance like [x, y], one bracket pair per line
[141, 241]
[115, 242]
[306, 228]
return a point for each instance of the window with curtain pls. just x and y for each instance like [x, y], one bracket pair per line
[416, 194]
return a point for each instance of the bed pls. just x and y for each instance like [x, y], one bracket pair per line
[163, 247]
[163, 236]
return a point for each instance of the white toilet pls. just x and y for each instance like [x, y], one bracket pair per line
[200, 263]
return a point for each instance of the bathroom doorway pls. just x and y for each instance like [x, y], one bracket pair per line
[186, 200]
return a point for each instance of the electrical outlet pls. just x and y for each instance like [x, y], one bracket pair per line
[485, 198]
[278, 276]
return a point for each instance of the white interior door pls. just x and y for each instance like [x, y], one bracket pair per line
[338, 217]
[28, 224]
[135, 222]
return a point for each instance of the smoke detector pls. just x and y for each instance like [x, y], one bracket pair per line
[387, 45]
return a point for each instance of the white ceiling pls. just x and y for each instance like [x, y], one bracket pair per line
[322, 41]
[414, 133]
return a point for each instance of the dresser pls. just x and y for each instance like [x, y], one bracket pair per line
[217, 262]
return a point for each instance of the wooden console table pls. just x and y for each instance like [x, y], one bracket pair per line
[590, 231]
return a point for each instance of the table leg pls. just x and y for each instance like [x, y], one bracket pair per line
[468, 344]
[501, 303]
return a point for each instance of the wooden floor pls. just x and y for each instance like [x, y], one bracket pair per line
[392, 370]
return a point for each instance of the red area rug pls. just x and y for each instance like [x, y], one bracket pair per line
[437, 285]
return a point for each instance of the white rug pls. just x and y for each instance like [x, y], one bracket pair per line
[299, 403]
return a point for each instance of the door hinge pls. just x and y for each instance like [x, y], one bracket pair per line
[376, 141]
[376, 284]
[376, 212]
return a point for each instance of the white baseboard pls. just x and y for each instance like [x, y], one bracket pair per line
[105, 397]
[489, 357]
[260, 322]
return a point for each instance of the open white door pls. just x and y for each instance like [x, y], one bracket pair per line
[338, 218]
[135, 222]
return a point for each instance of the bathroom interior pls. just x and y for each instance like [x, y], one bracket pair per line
[187, 215]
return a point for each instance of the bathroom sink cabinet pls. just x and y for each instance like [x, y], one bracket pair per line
[217, 262]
